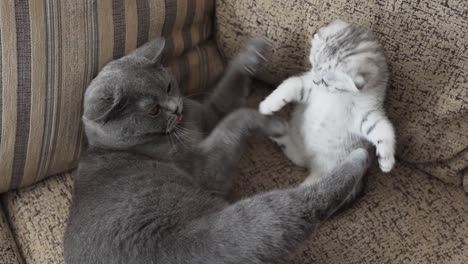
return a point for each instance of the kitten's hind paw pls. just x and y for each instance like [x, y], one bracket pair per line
[386, 156]
[386, 164]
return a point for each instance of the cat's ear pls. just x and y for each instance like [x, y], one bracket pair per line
[100, 103]
[151, 51]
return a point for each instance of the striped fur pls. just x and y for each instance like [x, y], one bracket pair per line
[340, 102]
[51, 49]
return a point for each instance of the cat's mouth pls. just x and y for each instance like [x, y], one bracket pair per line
[180, 117]
[172, 123]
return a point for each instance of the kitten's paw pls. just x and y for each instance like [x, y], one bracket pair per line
[386, 164]
[251, 56]
[386, 157]
[269, 106]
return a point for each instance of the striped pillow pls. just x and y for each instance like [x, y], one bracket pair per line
[51, 49]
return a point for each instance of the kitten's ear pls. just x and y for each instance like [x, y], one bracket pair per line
[98, 105]
[151, 51]
[349, 83]
[359, 81]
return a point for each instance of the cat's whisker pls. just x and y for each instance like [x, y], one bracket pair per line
[171, 139]
[180, 139]
[186, 135]
[186, 129]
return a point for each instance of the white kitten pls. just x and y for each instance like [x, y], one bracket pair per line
[339, 102]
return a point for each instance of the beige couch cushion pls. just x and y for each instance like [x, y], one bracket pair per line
[37, 215]
[426, 43]
[9, 253]
[405, 217]
[50, 50]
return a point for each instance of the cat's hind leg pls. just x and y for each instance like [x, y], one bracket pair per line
[289, 147]
[316, 176]
[219, 153]
[313, 177]
[268, 227]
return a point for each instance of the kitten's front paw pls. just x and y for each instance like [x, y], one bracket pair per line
[269, 106]
[386, 156]
[251, 56]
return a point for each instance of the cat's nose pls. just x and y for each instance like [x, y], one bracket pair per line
[177, 109]
[178, 113]
[173, 106]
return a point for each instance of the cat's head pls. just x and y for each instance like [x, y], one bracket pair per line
[348, 58]
[132, 100]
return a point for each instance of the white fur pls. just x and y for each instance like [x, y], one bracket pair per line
[327, 123]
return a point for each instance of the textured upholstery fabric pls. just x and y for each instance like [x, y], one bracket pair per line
[405, 216]
[426, 45]
[8, 250]
[37, 215]
[51, 49]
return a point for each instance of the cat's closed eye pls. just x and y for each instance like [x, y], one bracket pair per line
[121, 105]
[324, 83]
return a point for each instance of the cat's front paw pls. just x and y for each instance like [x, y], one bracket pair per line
[251, 56]
[275, 127]
[386, 156]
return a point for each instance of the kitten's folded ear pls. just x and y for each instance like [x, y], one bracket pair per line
[99, 104]
[151, 51]
[347, 82]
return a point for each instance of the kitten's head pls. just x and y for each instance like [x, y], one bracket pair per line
[348, 58]
[132, 100]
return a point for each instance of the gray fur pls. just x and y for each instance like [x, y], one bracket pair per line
[151, 189]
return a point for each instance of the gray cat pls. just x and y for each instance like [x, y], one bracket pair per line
[152, 186]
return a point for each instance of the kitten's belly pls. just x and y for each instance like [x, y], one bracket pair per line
[326, 129]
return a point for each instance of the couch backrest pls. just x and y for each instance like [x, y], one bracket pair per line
[427, 47]
[51, 49]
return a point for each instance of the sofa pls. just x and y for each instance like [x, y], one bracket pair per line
[51, 49]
